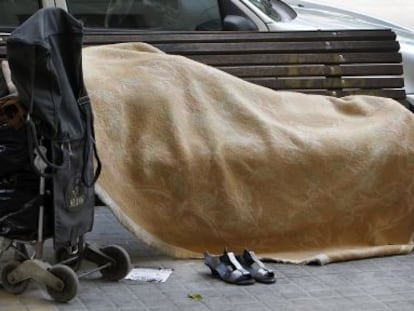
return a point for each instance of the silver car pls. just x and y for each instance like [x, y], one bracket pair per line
[264, 15]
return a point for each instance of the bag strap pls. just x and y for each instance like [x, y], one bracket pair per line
[85, 107]
[33, 141]
[34, 145]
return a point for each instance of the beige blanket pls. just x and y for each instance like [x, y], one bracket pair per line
[195, 159]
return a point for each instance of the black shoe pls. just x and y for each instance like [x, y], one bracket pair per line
[256, 268]
[227, 268]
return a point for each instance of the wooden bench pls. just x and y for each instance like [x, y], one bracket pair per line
[335, 63]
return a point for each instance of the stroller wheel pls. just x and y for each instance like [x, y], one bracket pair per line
[70, 283]
[16, 288]
[122, 264]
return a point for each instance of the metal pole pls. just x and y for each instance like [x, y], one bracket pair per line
[39, 244]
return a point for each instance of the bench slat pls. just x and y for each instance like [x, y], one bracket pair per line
[295, 58]
[328, 83]
[312, 70]
[395, 94]
[92, 38]
[305, 58]
[278, 47]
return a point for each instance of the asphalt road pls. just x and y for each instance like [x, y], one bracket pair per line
[399, 12]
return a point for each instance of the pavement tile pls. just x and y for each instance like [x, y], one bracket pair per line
[346, 291]
[371, 284]
[405, 305]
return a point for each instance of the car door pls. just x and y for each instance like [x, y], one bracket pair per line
[152, 15]
[14, 13]
[145, 15]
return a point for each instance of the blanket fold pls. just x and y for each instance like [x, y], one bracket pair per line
[195, 159]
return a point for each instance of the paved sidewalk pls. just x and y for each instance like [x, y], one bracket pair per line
[375, 284]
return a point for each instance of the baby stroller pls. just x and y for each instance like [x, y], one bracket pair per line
[47, 155]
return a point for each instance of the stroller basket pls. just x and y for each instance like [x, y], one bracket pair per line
[47, 172]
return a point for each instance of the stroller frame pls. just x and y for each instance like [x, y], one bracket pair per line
[61, 280]
[61, 148]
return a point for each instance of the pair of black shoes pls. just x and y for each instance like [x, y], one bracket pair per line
[244, 269]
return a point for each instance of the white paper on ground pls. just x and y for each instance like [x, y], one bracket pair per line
[149, 275]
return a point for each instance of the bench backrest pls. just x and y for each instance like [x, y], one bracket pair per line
[335, 63]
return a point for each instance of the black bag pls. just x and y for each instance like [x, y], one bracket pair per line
[45, 59]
